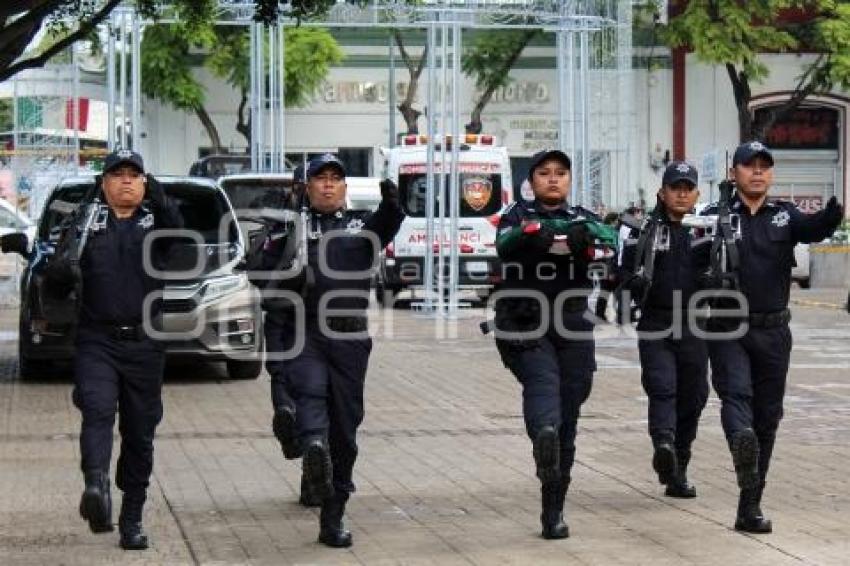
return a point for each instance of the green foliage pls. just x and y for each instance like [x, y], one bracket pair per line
[310, 53]
[732, 32]
[167, 65]
[490, 55]
[7, 119]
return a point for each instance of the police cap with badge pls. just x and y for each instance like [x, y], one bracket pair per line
[748, 151]
[541, 156]
[322, 162]
[121, 157]
[678, 171]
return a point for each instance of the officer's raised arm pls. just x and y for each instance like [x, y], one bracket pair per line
[808, 228]
[386, 220]
[166, 213]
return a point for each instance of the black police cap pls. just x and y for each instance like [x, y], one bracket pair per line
[746, 152]
[538, 158]
[680, 171]
[123, 157]
[327, 160]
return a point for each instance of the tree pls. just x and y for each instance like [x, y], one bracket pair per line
[71, 20]
[166, 65]
[489, 59]
[310, 53]
[734, 34]
[414, 68]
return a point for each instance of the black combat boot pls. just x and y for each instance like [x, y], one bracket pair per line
[96, 502]
[552, 517]
[664, 460]
[750, 519]
[547, 454]
[283, 426]
[133, 536]
[318, 469]
[680, 487]
[307, 498]
[745, 457]
[332, 531]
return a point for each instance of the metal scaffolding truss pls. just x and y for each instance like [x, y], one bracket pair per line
[593, 65]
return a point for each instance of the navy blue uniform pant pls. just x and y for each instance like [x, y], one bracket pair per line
[749, 376]
[125, 376]
[675, 377]
[279, 340]
[326, 380]
[556, 374]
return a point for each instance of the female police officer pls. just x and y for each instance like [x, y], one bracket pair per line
[661, 268]
[542, 333]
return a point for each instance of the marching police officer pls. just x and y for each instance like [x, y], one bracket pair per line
[544, 245]
[275, 249]
[326, 376]
[117, 365]
[749, 372]
[661, 265]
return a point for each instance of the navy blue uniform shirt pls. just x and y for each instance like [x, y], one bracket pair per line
[114, 280]
[767, 248]
[675, 269]
[561, 272]
[346, 248]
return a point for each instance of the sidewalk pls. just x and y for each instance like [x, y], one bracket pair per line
[445, 474]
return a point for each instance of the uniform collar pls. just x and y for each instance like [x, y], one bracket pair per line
[339, 213]
[538, 207]
[737, 205]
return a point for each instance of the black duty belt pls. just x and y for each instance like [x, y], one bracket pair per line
[133, 332]
[348, 323]
[770, 319]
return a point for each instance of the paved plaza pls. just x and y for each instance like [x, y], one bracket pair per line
[445, 474]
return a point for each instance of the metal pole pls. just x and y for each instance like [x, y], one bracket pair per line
[570, 39]
[585, 119]
[281, 37]
[76, 121]
[136, 128]
[391, 91]
[561, 61]
[261, 91]
[272, 99]
[454, 198]
[16, 131]
[428, 256]
[123, 79]
[110, 80]
[255, 164]
[441, 262]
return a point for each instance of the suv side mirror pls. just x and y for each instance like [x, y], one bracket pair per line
[15, 242]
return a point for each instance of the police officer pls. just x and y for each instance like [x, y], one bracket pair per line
[661, 264]
[326, 376]
[117, 365]
[749, 373]
[279, 240]
[554, 365]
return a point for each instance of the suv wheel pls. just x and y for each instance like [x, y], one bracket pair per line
[244, 369]
[32, 369]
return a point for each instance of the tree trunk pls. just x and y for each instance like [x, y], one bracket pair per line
[243, 126]
[209, 126]
[408, 112]
[742, 93]
[475, 126]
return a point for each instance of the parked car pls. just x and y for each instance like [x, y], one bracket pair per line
[800, 272]
[13, 220]
[214, 316]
